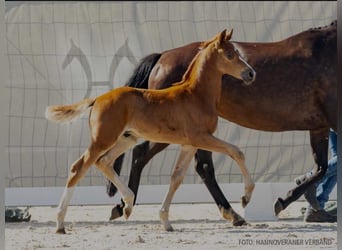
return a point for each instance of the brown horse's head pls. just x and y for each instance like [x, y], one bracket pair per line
[229, 61]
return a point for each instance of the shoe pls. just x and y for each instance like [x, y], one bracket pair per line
[331, 208]
[320, 216]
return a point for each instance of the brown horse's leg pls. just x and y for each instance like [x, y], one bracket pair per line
[319, 144]
[182, 165]
[142, 154]
[205, 168]
[77, 172]
[140, 158]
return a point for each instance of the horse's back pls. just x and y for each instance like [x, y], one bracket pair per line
[295, 86]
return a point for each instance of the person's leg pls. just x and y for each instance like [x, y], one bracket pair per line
[310, 193]
[325, 187]
[318, 194]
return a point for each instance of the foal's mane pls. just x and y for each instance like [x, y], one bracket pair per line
[191, 66]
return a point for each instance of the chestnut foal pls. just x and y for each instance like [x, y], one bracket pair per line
[184, 114]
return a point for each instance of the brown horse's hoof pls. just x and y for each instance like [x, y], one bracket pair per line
[278, 206]
[117, 212]
[60, 231]
[240, 223]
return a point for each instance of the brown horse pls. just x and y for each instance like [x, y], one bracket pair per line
[296, 89]
[185, 114]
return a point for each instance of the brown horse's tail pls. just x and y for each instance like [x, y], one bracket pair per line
[67, 113]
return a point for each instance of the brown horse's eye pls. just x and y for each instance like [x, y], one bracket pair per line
[230, 54]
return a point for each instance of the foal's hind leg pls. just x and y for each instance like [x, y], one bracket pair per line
[211, 143]
[182, 165]
[77, 172]
[141, 155]
[117, 165]
[105, 165]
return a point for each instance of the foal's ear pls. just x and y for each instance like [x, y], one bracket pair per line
[222, 35]
[229, 35]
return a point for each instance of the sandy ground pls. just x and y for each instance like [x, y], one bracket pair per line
[197, 226]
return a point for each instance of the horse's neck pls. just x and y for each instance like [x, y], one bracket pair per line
[204, 78]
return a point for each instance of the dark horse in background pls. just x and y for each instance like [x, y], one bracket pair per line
[295, 89]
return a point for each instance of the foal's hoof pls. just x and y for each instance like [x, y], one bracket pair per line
[164, 219]
[127, 211]
[245, 200]
[167, 226]
[248, 194]
[278, 206]
[117, 212]
[60, 231]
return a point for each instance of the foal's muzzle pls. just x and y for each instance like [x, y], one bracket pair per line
[248, 76]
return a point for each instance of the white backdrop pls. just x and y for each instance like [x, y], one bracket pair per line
[61, 52]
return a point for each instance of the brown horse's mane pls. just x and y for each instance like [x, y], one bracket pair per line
[317, 39]
[329, 31]
[332, 24]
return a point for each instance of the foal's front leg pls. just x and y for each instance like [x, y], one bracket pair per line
[205, 168]
[182, 165]
[211, 143]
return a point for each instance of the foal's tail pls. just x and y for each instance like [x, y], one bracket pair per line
[67, 113]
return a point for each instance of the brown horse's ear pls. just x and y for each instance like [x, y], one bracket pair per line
[229, 35]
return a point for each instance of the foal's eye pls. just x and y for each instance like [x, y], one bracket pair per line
[230, 54]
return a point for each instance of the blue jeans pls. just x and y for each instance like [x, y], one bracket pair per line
[325, 186]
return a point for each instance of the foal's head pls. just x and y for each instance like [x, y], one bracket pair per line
[229, 60]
